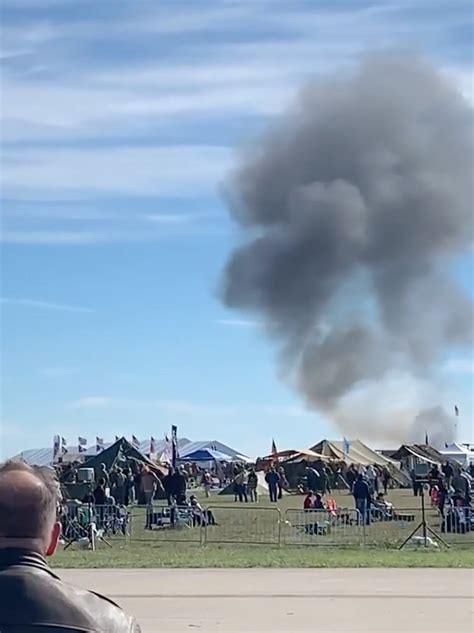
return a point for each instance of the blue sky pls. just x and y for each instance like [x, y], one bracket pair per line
[120, 122]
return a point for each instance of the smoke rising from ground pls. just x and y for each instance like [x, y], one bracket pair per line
[352, 204]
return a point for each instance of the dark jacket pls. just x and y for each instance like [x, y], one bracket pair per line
[361, 489]
[33, 600]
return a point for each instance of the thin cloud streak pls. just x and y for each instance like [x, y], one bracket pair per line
[239, 323]
[44, 305]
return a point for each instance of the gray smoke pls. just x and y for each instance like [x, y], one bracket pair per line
[353, 204]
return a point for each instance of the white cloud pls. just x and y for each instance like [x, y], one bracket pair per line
[239, 323]
[43, 305]
[184, 170]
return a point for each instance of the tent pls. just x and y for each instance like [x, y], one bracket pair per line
[295, 453]
[120, 453]
[213, 445]
[206, 455]
[361, 455]
[458, 453]
[262, 486]
[413, 454]
[358, 453]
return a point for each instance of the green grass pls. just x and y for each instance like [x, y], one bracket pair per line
[182, 555]
[243, 523]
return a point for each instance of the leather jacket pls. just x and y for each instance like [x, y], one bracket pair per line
[34, 599]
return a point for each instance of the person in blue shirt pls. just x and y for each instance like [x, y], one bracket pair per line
[272, 478]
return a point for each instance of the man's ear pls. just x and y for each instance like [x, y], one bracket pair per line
[54, 538]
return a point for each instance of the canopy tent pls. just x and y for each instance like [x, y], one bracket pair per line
[206, 455]
[458, 453]
[417, 453]
[231, 454]
[120, 453]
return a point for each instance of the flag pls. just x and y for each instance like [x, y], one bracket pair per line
[174, 445]
[426, 438]
[56, 446]
[63, 445]
[81, 444]
[167, 454]
[346, 445]
[456, 410]
[135, 442]
[152, 446]
[274, 451]
[99, 444]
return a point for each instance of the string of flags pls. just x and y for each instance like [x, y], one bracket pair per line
[169, 453]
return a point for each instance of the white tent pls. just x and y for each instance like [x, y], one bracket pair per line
[458, 453]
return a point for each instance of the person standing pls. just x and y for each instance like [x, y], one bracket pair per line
[207, 483]
[282, 482]
[448, 472]
[272, 478]
[386, 478]
[252, 486]
[362, 497]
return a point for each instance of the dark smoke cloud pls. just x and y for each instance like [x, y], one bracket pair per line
[352, 203]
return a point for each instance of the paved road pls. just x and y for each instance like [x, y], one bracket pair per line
[296, 600]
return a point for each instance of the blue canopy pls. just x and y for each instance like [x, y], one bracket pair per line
[206, 455]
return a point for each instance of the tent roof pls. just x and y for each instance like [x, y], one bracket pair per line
[359, 453]
[421, 451]
[205, 455]
[456, 448]
[119, 451]
[292, 453]
[212, 445]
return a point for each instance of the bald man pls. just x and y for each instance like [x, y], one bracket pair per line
[32, 597]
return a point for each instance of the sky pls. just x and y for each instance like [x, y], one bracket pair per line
[120, 122]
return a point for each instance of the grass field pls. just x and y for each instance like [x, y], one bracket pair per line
[183, 555]
[233, 543]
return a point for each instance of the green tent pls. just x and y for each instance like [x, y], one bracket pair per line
[120, 453]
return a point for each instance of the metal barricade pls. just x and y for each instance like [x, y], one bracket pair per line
[341, 527]
[247, 524]
[390, 527]
[107, 523]
[162, 523]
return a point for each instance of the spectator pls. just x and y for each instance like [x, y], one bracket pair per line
[207, 483]
[308, 502]
[282, 482]
[434, 478]
[99, 493]
[351, 477]
[318, 502]
[253, 485]
[362, 497]
[417, 486]
[382, 509]
[272, 478]
[200, 515]
[312, 477]
[448, 472]
[150, 484]
[386, 478]
[241, 489]
[371, 477]
[33, 598]
[119, 489]
[461, 485]
[103, 474]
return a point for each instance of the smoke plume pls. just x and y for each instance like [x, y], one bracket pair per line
[353, 204]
